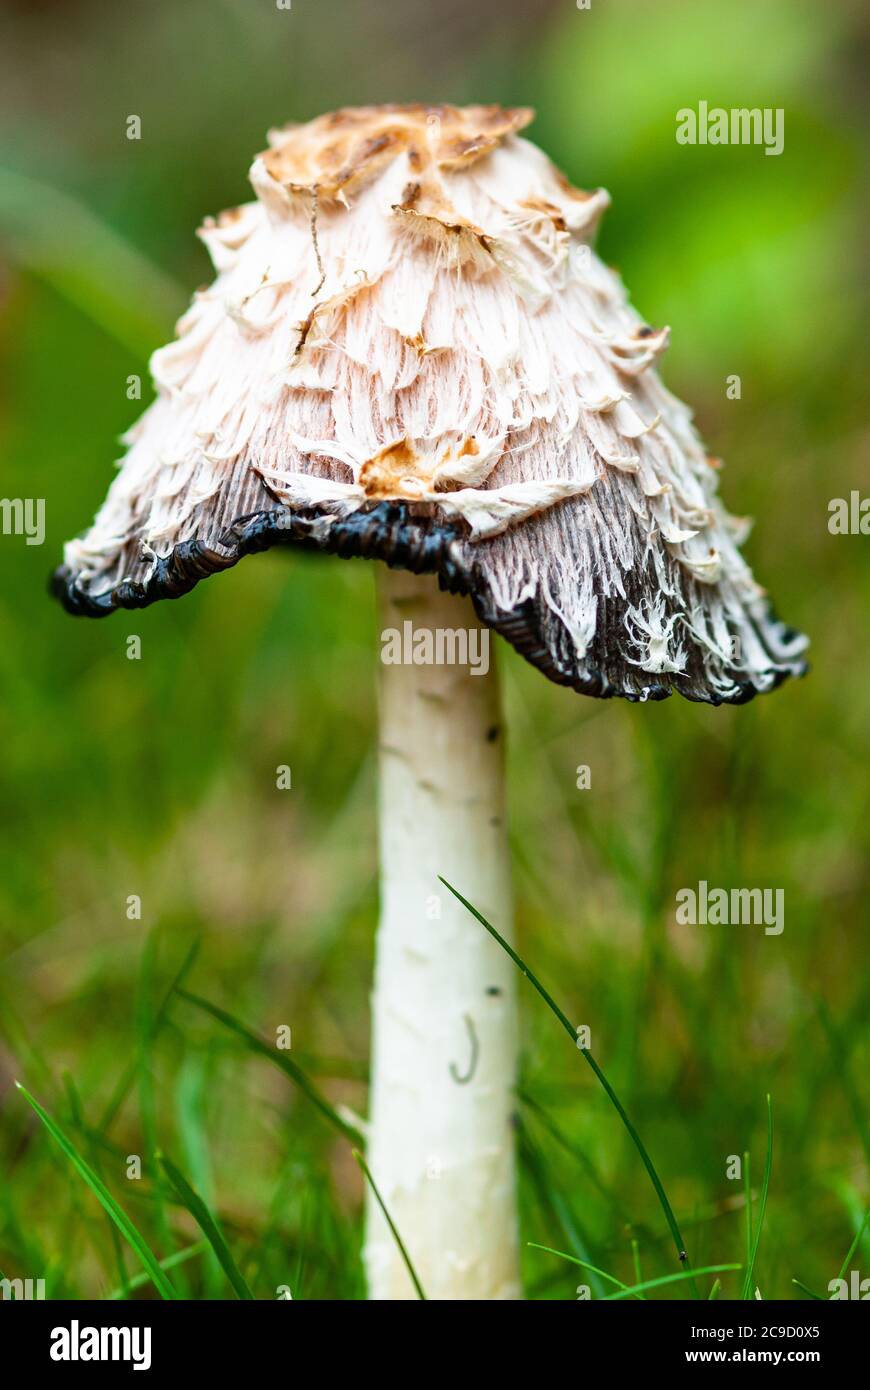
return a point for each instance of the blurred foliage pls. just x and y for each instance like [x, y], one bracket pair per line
[156, 777]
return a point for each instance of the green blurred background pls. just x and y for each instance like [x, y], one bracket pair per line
[157, 777]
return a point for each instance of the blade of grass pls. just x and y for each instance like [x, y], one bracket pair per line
[613, 1097]
[207, 1224]
[179, 1258]
[272, 1233]
[548, 1124]
[635, 1259]
[584, 1264]
[669, 1279]
[128, 1077]
[130, 1232]
[190, 1091]
[146, 1031]
[714, 1290]
[747, 1198]
[635, 1290]
[854, 1205]
[809, 1292]
[552, 1201]
[765, 1187]
[279, 1059]
[389, 1220]
[78, 1119]
[854, 1246]
[300, 1258]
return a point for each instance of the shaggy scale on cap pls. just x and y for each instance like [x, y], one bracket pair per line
[411, 353]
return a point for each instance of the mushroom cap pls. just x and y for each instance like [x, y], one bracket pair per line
[411, 352]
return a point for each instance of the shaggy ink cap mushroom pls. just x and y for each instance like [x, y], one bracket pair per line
[410, 352]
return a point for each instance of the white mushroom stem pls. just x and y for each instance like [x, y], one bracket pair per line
[441, 1146]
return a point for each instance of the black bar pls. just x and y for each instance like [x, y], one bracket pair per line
[209, 1338]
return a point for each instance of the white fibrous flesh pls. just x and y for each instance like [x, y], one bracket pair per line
[444, 1031]
[411, 313]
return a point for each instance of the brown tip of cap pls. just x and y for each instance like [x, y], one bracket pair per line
[343, 147]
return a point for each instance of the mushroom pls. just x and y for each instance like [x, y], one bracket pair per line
[411, 353]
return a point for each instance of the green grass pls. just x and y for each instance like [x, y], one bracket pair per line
[120, 1218]
[637, 1290]
[406, 1259]
[749, 1284]
[280, 1060]
[572, 1031]
[208, 1225]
